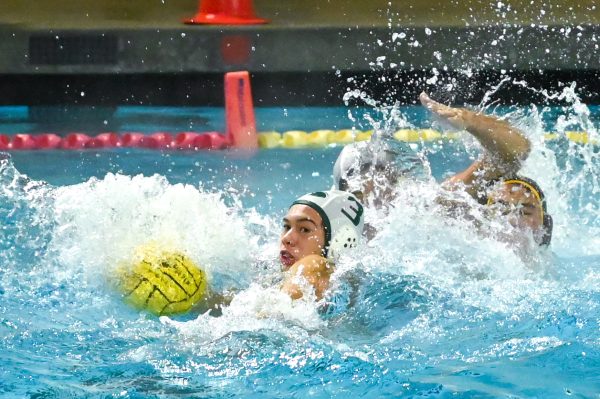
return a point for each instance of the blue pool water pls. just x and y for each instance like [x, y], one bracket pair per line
[440, 311]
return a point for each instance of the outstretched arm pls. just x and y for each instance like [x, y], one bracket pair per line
[506, 147]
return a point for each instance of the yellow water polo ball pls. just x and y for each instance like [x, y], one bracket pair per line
[163, 283]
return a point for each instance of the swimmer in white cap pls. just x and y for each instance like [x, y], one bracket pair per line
[372, 169]
[372, 174]
[317, 229]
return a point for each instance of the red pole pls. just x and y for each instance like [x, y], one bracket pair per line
[239, 111]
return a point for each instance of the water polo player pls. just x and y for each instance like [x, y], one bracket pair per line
[489, 179]
[506, 147]
[522, 201]
[317, 229]
[372, 169]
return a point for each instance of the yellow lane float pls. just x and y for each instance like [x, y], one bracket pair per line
[325, 137]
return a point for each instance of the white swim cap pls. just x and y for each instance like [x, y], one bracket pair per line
[347, 165]
[386, 155]
[342, 216]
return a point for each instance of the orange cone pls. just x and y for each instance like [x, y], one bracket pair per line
[225, 12]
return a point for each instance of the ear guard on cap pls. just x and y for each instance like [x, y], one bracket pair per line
[547, 235]
[345, 238]
[342, 216]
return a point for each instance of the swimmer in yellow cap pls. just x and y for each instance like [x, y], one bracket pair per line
[493, 179]
[522, 201]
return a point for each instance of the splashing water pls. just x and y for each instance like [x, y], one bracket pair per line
[437, 309]
[103, 221]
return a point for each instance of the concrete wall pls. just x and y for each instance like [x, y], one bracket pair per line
[56, 40]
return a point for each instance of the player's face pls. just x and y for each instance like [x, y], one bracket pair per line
[522, 208]
[303, 234]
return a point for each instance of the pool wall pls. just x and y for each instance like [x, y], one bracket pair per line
[140, 52]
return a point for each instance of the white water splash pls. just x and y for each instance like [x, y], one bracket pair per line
[101, 222]
[254, 309]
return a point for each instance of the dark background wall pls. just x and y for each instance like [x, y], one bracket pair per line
[310, 53]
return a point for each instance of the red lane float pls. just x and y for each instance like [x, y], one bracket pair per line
[218, 141]
[185, 141]
[4, 142]
[23, 142]
[81, 141]
[104, 140]
[157, 141]
[210, 141]
[74, 141]
[47, 141]
[131, 139]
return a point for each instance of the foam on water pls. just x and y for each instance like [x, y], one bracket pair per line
[569, 174]
[253, 309]
[100, 223]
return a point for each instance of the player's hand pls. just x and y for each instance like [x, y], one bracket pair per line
[457, 117]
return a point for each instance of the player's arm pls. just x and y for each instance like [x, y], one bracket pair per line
[506, 147]
[214, 302]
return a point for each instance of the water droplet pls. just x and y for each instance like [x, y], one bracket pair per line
[400, 35]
